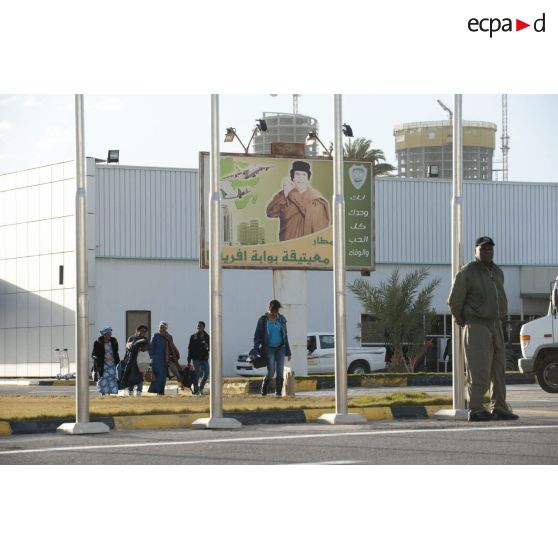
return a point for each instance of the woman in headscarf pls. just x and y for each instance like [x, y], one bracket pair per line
[105, 358]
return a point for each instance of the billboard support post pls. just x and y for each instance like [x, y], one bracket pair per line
[82, 424]
[216, 419]
[341, 415]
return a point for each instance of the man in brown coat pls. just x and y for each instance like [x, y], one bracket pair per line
[301, 209]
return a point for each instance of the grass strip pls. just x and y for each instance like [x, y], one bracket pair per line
[27, 407]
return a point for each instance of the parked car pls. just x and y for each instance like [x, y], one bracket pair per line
[321, 357]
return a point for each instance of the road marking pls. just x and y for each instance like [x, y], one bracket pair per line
[330, 463]
[281, 437]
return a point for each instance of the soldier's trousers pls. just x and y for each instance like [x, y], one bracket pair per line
[485, 360]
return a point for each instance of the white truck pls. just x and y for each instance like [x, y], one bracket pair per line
[539, 345]
[321, 357]
[360, 360]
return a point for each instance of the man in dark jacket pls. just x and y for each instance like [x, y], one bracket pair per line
[198, 352]
[478, 303]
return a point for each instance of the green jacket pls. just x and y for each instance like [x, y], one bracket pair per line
[477, 294]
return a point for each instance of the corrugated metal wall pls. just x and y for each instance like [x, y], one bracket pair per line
[152, 213]
[413, 221]
[146, 213]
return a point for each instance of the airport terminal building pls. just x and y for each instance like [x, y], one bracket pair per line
[143, 257]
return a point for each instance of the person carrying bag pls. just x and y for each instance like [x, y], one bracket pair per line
[271, 340]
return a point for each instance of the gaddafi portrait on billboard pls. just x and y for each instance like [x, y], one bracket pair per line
[276, 212]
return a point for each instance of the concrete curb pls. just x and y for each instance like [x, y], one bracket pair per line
[153, 422]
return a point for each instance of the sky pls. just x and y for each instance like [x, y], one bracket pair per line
[170, 130]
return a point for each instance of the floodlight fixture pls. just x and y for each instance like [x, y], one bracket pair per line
[446, 109]
[230, 134]
[261, 126]
[113, 156]
[347, 130]
[313, 137]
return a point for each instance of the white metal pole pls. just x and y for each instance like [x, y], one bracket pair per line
[82, 313]
[339, 265]
[458, 360]
[216, 419]
[341, 415]
[215, 303]
[82, 424]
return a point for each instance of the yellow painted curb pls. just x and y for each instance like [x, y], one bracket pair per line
[373, 413]
[432, 409]
[313, 414]
[5, 428]
[237, 388]
[156, 421]
[390, 382]
[305, 384]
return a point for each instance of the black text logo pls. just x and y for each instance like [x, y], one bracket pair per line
[493, 25]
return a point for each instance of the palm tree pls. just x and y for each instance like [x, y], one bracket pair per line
[360, 148]
[402, 308]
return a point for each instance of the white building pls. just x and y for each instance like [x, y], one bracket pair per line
[143, 256]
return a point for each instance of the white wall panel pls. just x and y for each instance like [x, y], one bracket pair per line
[33, 238]
[45, 201]
[34, 278]
[34, 309]
[21, 205]
[58, 200]
[70, 306]
[146, 212]
[45, 347]
[57, 238]
[33, 199]
[10, 276]
[10, 346]
[45, 236]
[69, 233]
[413, 221]
[9, 249]
[22, 308]
[57, 298]
[11, 310]
[45, 272]
[2, 344]
[21, 240]
[21, 345]
[45, 309]
[22, 274]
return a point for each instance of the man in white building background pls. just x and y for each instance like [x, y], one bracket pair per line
[478, 303]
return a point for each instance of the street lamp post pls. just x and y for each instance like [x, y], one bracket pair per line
[82, 424]
[341, 415]
[216, 419]
[458, 361]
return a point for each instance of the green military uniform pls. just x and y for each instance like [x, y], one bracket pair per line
[478, 302]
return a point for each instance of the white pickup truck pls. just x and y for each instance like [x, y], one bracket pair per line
[321, 357]
[360, 360]
[539, 345]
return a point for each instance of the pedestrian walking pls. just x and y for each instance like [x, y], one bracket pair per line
[105, 358]
[133, 376]
[164, 358]
[478, 303]
[271, 339]
[198, 354]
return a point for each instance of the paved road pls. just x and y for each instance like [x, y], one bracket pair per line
[531, 440]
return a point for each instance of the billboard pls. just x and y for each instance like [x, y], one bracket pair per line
[277, 212]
